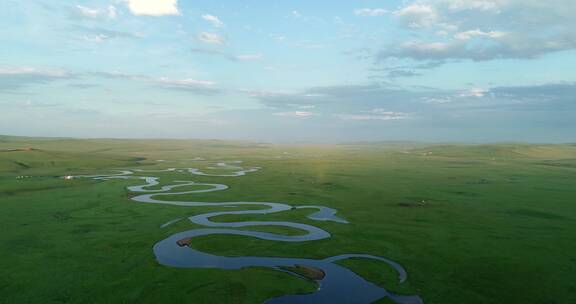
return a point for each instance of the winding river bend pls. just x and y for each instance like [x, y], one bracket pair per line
[336, 284]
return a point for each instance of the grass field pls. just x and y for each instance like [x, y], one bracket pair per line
[471, 223]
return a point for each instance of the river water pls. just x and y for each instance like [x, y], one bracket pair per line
[338, 285]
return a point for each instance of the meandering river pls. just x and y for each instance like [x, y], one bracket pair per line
[337, 284]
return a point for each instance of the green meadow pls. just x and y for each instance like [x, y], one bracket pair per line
[474, 224]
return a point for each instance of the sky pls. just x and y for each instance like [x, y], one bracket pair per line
[290, 71]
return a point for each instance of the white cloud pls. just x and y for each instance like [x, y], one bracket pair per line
[13, 78]
[475, 92]
[381, 111]
[374, 114]
[482, 5]
[186, 82]
[305, 106]
[203, 87]
[253, 57]
[368, 117]
[436, 100]
[467, 35]
[418, 15]
[309, 45]
[372, 12]
[262, 93]
[297, 114]
[153, 7]
[211, 38]
[277, 37]
[88, 12]
[215, 21]
[34, 104]
[419, 46]
[221, 53]
[22, 70]
[112, 11]
[484, 29]
[98, 38]
[99, 35]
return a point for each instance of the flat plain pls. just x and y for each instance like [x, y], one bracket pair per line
[470, 223]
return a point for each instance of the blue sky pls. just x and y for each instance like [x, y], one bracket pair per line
[290, 71]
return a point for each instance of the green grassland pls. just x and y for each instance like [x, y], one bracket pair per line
[471, 223]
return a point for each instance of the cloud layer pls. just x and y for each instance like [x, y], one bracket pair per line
[13, 78]
[484, 29]
[153, 7]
